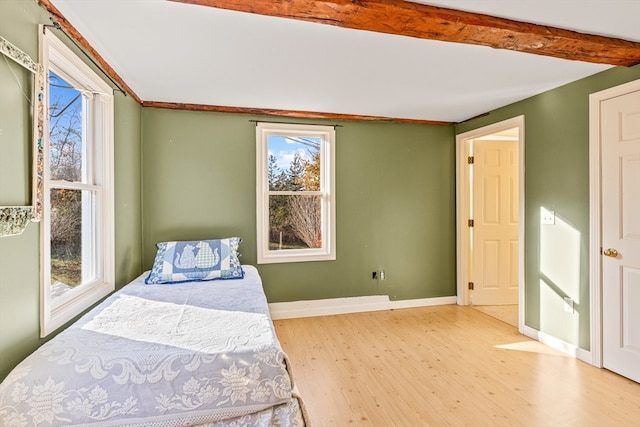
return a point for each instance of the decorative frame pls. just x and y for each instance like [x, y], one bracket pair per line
[14, 219]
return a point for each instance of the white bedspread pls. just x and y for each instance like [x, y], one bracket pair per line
[182, 326]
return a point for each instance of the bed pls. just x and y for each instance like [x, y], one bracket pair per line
[194, 353]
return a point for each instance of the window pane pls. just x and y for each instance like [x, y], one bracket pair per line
[293, 163]
[295, 222]
[65, 130]
[72, 236]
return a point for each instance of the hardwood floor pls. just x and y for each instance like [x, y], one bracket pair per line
[506, 313]
[445, 366]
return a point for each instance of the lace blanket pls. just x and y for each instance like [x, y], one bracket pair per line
[188, 354]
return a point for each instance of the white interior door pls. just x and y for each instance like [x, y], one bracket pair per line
[620, 186]
[495, 228]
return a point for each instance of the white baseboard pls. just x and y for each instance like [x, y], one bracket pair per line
[558, 344]
[327, 307]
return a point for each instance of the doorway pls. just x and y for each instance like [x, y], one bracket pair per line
[490, 219]
[615, 229]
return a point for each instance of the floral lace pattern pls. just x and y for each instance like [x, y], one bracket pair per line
[13, 220]
[159, 375]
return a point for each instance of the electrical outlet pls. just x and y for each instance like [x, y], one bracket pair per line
[381, 274]
[547, 217]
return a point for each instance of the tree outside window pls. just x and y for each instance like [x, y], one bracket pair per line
[65, 164]
[294, 220]
[295, 206]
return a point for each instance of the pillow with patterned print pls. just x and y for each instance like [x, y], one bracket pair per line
[183, 261]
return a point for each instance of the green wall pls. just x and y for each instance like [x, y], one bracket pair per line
[395, 189]
[20, 255]
[557, 178]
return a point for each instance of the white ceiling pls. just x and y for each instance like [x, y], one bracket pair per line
[173, 52]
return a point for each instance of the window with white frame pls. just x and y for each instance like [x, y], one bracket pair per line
[295, 192]
[77, 221]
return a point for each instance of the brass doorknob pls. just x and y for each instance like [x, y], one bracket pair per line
[610, 252]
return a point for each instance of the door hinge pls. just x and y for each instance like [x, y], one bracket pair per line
[470, 160]
[470, 223]
[470, 286]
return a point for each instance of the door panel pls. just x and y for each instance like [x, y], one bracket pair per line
[620, 145]
[495, 214]
[630, 316]
[491, 264]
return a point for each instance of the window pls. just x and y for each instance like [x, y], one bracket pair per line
[77, 221]
[295, 192]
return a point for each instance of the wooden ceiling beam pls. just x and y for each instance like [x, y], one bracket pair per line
[285, 113]
[435, 23]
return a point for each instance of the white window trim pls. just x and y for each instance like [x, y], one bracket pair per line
[54, 314]
[327, 164]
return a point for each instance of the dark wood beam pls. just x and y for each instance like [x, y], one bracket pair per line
[284, 113]
[435, 23]
[73, 32]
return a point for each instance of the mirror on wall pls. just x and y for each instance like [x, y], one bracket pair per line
[29, 79]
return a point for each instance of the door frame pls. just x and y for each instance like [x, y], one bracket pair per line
[462, 206]
[595, 201]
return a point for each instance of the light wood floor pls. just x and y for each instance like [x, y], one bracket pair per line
[506, 313]
[445, 366]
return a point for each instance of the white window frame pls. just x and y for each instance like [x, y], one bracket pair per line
[327, 192]
[98, 160]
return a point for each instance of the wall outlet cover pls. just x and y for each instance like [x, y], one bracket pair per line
[547, 217]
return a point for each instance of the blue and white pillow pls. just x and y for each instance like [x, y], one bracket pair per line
[196, 260]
